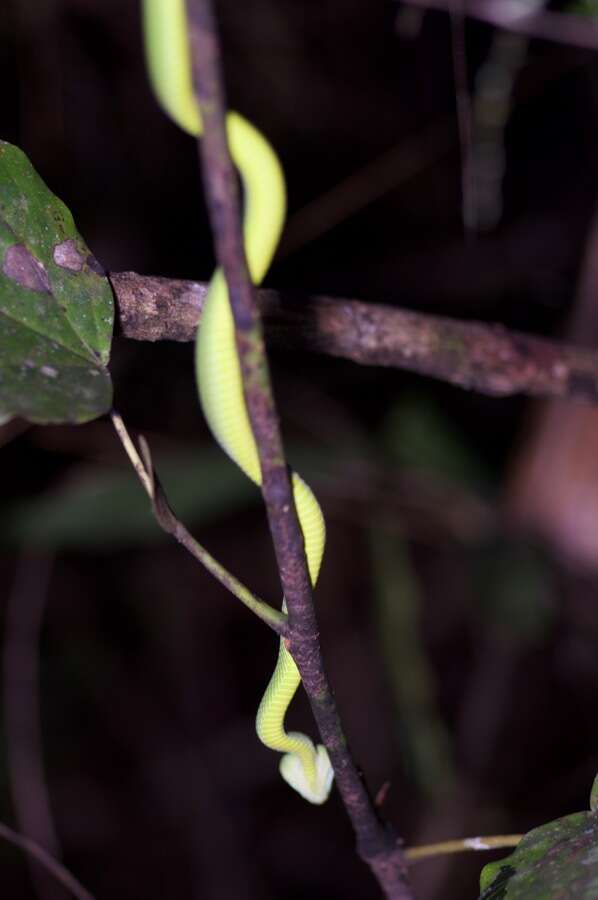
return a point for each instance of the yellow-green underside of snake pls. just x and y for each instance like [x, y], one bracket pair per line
[304, 767]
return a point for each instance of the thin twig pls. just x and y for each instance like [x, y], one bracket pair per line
[512, 15]
[493, 842]
[487, 358]
[167, 520]
[464, 116]
[51, 865]
[24, 614]
[131, 451]
[494, 95]
[377, 845]
[408, 158]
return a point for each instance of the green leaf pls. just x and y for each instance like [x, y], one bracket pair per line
[557, 861]
[56, 308]
[584, 7]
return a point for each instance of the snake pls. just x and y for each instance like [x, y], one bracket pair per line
[304, 766]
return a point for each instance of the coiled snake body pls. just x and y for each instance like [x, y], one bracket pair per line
[304, 767]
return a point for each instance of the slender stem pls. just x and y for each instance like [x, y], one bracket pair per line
[493, 842]
[464, 117]
[487, 358]
[168, 521]
[24, 613]
[273, 617]
[131, 450]
[48, 862]
[377, 845]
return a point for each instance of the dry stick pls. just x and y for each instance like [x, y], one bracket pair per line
[491, 842]
[376, 844]
[489, 359]
[562, 28]
[52, 865]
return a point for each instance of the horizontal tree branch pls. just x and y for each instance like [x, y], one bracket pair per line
[486, 358]
[577, 30]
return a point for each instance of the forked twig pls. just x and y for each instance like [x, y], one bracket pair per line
[166, 519]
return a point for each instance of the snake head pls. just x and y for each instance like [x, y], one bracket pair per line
[315, 789]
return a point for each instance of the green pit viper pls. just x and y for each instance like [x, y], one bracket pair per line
[305, 767]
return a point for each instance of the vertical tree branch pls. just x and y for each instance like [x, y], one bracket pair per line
[376, 843]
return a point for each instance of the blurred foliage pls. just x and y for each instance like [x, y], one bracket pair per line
[516, 593]
[420, 437]
[107, 508]
[585, 7]
[423, 736]
[415, 437]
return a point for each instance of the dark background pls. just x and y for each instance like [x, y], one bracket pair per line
[458, 613]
